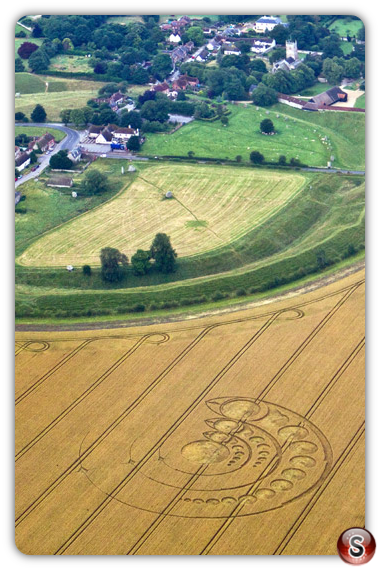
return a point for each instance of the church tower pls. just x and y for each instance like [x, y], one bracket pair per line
[292, 50]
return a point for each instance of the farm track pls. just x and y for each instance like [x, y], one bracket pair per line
[274, 385]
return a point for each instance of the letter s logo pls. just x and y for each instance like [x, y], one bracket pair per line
[356, 549]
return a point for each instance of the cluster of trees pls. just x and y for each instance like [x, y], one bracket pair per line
[161, 256]
[257, 158]
[38, 115]
[120, 52]
[152, 114]
[236, 73]
[117, 51]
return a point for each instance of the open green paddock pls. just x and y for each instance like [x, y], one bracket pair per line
[299, 135]
[345, 25]
[53, 103]
[39, 132]
[318, 227]
[28, 83]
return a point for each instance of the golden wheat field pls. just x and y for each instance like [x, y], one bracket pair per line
[236, 433]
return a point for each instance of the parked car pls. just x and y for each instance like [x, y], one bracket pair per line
[35, 167]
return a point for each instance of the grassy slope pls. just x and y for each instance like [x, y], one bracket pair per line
[38, 132]
[294, 128]
[53, 103]
[360, 102]
[329, 216]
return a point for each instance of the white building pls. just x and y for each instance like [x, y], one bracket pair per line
[174, 38]
[266, 24]
[261, 46]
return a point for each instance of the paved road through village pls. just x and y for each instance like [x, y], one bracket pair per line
[70, 141]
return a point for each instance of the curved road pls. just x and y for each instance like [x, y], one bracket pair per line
[70, 141]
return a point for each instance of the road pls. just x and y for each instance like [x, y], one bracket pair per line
[70, 141]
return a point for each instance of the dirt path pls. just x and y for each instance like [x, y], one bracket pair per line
[293, 292]
[351, 98]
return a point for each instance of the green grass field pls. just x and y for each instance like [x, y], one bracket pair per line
[39, 132]
[315, 89]
[299, 135]
[70, 63]
[54, 94]
[360, 102]
[342, 26]
[53, 103]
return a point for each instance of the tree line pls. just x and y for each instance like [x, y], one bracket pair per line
[160, 257]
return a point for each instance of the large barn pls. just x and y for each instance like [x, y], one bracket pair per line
[326, 99]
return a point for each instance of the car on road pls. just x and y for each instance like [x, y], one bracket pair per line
[35, 167]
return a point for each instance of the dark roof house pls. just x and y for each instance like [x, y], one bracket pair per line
[329, 97]
[45, 142]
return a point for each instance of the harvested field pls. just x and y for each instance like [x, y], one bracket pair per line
[210, 208]
[204, 433]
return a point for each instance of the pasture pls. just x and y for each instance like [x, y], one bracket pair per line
[70, 63]
[54, 102]
[27, 83]
[299, 135]
[203, 433]
[344, 26]
[210, 208]
[39, 132]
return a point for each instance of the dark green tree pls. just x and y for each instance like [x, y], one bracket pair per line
[133, 144]
[282, 160]
[87, 270]
[264, 96]
[267, 126]
[38, 114]
[60, 161]
[113, 264]
[39, 61]
[163, 253]
[19, 116]
[95, 182]
[256, 157]
[161, 65]
[65, 115]
[19, 66]
[141, 262]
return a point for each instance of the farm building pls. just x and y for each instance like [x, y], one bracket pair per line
[185, 81]
[161, 88]
[124, 134]
[329, 97]
[111, 133]
[75, 154]
[94, 131]
[104, 137]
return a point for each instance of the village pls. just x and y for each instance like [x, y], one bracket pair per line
[220, 41]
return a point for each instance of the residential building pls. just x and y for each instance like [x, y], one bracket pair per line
[266, 24]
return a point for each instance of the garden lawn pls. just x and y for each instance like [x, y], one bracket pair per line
[39, 132]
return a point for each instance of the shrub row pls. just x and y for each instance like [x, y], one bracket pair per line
[315, 261]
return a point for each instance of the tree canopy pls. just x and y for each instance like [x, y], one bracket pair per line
[113, 264]
[163, 253]
[38, 114]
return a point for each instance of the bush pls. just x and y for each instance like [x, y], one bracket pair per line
[137, 308]
[218, 296]
[86, 270]
[240, 292]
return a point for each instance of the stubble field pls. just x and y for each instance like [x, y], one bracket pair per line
[193, 437]
[210, 208]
